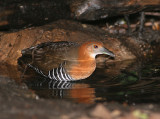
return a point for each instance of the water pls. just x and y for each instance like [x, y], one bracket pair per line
[128, 82]
[125, 82]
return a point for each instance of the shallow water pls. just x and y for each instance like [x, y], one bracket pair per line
[128, 82]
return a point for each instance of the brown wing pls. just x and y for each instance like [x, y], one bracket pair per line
[49, 55]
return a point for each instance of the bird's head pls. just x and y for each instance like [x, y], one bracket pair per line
[94, 48]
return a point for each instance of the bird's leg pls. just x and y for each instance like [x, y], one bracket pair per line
[33, 52]
[25, 69]
[128, 23]
[142, 20]
[26, 66]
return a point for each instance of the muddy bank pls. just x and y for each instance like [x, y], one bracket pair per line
[125, 47]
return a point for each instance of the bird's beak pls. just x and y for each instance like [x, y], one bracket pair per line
[107, 52]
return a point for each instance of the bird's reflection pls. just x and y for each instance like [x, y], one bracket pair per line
[77, 91]
[84, 91]
[59, 85]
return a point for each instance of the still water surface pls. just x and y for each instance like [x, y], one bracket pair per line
[129, 82]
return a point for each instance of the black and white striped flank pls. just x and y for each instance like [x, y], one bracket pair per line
[58, 74]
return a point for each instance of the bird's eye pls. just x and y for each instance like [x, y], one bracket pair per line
[95, 46]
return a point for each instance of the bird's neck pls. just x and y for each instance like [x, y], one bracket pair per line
[83, 68]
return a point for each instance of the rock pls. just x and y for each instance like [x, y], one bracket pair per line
[100, 9]
[101, 112]
[115, 113]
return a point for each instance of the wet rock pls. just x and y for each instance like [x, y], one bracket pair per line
[100, 9]
[101, 112]
[116, 113]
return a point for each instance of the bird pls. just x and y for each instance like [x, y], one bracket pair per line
[64, 60]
